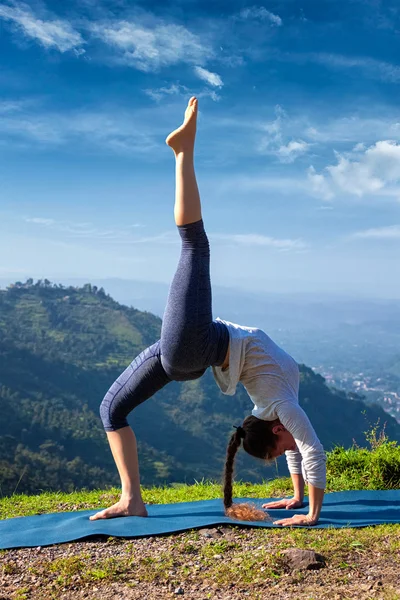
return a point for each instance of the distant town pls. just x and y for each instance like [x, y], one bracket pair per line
[375, 389]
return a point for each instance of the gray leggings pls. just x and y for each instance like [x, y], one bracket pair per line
[190, 340]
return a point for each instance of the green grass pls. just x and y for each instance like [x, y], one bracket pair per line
[347, 469]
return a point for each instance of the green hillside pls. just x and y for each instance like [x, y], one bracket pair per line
[60, 350]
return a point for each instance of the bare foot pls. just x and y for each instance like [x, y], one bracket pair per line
[183, 138]
[123, 508]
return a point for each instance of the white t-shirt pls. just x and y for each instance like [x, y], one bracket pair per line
[271, 378]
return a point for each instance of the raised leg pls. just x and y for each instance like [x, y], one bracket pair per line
[187, 199]
[190, 340]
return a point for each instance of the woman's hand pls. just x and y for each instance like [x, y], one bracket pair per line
[284, 503]
[297, 520]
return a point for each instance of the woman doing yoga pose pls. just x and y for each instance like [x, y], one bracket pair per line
[191, 341]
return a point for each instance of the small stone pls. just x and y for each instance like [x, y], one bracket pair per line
[39, 549]
[210, 533]
[179, 591]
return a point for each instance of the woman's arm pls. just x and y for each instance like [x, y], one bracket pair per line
[315, 496]
[293, 417]
[298, 486]
[298, 496]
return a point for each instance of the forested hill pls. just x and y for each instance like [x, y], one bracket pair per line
[60, 350]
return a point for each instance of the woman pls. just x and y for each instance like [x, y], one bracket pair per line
[190, 343]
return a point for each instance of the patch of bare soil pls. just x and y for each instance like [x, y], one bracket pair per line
[221, 563]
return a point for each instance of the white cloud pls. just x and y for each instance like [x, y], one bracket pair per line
[276, 141]
[292, 150]
[158, 94]
[391, 232]
[77, 230]
[171, 90]
[150, 48]
[40, 221]
[10, 106]
[372, 68]
[209, 94]
[368, 173]
[211, 78]
[319, 185]
[352, 129]
[55, 33]
[360, 147]
[354, 177]
[119, 131]
[253, 239]
[38, 128]
[274, 138]
[261, 13]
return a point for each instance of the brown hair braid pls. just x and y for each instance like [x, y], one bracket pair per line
[258, 441]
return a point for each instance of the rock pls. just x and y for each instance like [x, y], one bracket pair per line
[179, 591]
[210, 533]
[298, 559]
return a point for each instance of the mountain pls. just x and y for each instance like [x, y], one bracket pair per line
[60, 350]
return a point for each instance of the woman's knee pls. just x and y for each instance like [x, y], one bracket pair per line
[141, 380]
[110, 413]
[181, 371]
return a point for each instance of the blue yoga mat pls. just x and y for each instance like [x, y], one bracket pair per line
[340, 509]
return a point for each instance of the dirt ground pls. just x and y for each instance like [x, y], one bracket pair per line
[221, 563]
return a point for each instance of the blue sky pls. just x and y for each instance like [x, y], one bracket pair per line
[297, 156]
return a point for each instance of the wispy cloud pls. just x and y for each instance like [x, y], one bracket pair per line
[274, 139]
[149, 48]
[392, 232]
[260, 13]
[211, 78]
[132, 235]
[77, 230]
[158, 94]
[40, 221]
[118, 131]
[246, 184]
[353, 128]
[370, 67]
[317, 129]
[289, 152]
[207, 93]
[319, 185]
[360, 173]
[253, 239]
[12, 106]
[50, 33]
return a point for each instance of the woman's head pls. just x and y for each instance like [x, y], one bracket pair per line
[262, 439]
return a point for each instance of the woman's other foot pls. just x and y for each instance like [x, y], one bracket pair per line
[123, 508]
[183, 138]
